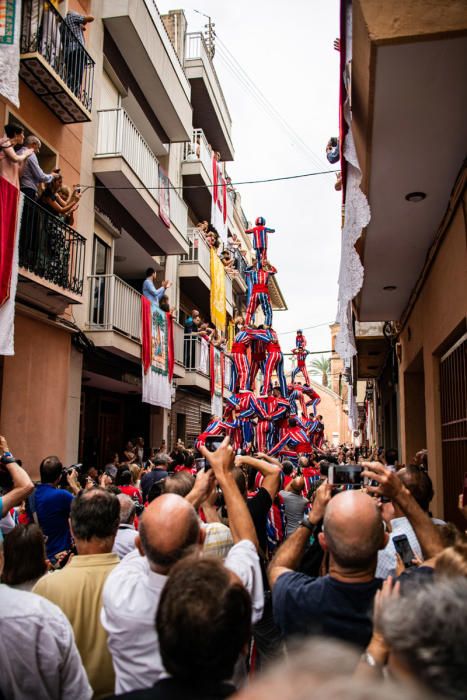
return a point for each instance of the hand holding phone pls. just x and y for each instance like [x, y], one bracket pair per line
[404, 550]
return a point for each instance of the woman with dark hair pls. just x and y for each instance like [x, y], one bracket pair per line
[24, 552]
[124, 482]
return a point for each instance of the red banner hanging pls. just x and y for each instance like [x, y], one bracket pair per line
[146, 333]
[170, 345]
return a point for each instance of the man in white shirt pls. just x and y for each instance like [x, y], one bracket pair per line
[37, 648]
[419, 484]
[126, 533]
[168, 531]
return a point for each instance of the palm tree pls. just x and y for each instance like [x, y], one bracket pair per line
[322, 366]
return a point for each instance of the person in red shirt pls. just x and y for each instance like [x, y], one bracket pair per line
[125, 486]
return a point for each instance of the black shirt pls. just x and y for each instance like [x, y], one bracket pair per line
[147, 480]
[172, 689]
[305, 605]
[259, 506]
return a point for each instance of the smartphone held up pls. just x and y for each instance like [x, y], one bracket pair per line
[346, 476]
[212, 443]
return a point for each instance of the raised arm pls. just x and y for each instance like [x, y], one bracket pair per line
[270, 472]
[240, 522]
[392, 487]
[11, 154]
[289, 555]
[22, 484]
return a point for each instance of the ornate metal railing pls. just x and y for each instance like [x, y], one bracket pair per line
[50, 248]
[43, 30]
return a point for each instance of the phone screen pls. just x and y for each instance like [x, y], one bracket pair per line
[404, 550]
[200, 463]
[213, 442]
[349, 475]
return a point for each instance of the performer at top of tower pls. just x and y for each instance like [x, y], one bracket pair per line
[300, 353]
[300, 340]
[260, 239]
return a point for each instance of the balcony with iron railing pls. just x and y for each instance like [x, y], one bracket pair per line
[207, 97]
[55, 63]
[51, 259]
[114, 318]
[125, 163]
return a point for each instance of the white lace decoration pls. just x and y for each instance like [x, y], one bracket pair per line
[356, 217]
[9, 63]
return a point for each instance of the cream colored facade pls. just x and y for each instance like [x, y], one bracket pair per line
[409, 105]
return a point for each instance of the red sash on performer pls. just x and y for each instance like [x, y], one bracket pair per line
[239, 348]
[304, 447]
[260, 288]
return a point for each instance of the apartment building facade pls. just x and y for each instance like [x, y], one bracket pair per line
[157, 116]
[40, 384]
[409, 100]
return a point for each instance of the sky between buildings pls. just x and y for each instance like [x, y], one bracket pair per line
[286, 48]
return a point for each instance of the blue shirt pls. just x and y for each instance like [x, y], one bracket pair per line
[53, 511]
[33, 174]
[150, 292]
[304, 605]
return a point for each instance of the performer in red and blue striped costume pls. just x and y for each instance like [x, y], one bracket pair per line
[260, 239]
[275, 408]
[216, 426]
[274, 361]
[301, 355]
[246, 407]
[294, 443]
[315, 398]
[260, 293]
[296, 392]
[240, 365]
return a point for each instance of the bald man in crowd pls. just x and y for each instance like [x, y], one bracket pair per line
[170, 530]
[350, 529]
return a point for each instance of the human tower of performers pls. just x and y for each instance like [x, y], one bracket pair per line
[277, 420]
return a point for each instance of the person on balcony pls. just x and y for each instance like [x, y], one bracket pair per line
[33, 175]
[229, 263]
[73, 44]
[150, 291]
[54, 203]
[12, 162]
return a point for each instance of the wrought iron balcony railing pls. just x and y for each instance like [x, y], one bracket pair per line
[48, 41]
[50, 248]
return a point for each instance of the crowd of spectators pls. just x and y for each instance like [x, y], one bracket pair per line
[165, 576]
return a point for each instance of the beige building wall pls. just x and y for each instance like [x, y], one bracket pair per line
[440, 309]
[36, 392]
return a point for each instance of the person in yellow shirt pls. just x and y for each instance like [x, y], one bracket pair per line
[77, 588]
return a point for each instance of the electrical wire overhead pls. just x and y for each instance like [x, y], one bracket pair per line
[229, 60]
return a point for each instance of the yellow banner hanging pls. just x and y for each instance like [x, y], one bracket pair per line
[218, 313]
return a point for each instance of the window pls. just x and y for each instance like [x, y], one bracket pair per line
[99, 282]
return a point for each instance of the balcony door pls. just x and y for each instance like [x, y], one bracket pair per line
[100, 282]
[453, 404]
